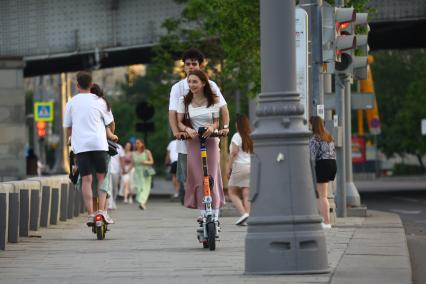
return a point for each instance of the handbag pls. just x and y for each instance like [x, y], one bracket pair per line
[74, 173]
[112, 148]
[149, 171]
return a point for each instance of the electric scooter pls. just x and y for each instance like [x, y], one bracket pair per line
[208, 231]
[100, 226]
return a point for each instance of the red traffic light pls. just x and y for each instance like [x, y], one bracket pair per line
[41, 128]
[342, 26]
[41, 132]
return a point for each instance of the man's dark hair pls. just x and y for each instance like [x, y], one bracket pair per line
[84, 79]
[193, 53]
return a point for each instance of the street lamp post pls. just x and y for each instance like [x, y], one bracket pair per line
[284, 235]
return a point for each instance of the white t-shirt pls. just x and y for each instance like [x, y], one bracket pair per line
[171, 148]
[181, 89]
[88, 116]
[200, 116]
[114, 164]
[242, 157]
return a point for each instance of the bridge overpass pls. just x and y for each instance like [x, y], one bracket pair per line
[64, 36]
[46, 37]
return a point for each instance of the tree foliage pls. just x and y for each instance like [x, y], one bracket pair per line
[401, 94]
[228, 33]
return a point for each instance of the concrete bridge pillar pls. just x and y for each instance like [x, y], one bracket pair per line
[12, 119]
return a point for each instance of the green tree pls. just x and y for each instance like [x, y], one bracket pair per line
[413, 110]
[398, 79]
[228, 32]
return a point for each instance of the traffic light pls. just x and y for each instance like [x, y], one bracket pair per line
[145, 126]
[328, 38]
[145, 113]
[41, 129]
[345, 40]
[361, 52]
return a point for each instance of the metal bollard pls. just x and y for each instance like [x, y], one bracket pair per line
[45, 204]
[24, 212]
[77, 204]
[13, 225]
[64, 203]
[70, 201]
[54, 206]
[35, 209]
[3, 220]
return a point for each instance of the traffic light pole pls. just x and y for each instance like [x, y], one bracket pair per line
[341, 146]
[313, 8]
[316, 85]
[352, 196]
[284, 235]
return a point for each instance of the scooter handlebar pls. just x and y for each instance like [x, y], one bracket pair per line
[201, 130]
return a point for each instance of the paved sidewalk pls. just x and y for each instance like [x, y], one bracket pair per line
[159, 245]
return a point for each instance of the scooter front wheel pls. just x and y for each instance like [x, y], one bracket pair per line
[211, 235]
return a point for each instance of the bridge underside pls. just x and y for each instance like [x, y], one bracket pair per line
[383, 35]
[87, 61]
[397, 35]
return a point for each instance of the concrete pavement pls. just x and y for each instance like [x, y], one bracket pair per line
[159, 245]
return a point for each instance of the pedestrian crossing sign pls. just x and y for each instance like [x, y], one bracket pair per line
[43, 111]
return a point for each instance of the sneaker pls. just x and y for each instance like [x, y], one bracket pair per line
[325, 226]
[130, 200]
[242, 219]
[90, 220]
[112, 205]
[174, 197]
[107, 218]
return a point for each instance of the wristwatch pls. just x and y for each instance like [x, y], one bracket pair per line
[225, 126]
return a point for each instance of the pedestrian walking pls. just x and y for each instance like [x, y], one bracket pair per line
[127, 174]
[192, 60]
[202, 107]
[32, 163]
[86, 118]
[323, 152]
[238, 168]
[142, 162]
[115, 175]
[171, 160]
[110, 183]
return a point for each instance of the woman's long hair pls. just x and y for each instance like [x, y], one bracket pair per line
[244, 129]
[319, 129]
[95, 89]
[207, 90]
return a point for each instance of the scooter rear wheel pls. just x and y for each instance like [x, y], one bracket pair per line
[100, 232]
[211, 235]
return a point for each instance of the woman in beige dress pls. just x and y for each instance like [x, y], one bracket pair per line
[238, 168]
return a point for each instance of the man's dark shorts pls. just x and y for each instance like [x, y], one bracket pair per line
[91, 162]
[173, 168]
